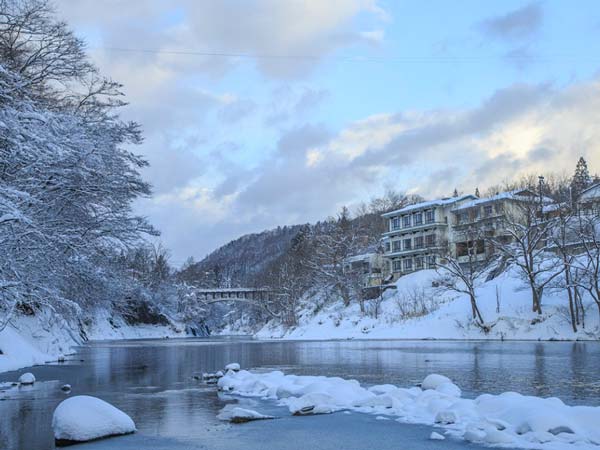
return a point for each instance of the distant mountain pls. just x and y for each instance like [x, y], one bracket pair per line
[240, 261]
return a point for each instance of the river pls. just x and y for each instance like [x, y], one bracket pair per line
[152, 380]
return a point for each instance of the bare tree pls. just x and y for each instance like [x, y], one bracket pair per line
[463, 273]
[528, 230]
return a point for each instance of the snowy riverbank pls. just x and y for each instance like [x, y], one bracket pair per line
[33, 340]
[505, 304]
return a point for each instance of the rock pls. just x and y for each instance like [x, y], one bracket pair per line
[445, 417]
[27, 378]
[61, 359]
[65, 388]
[233, 366]
[434, 380]
[436, 436]
[240, 415]
[83, 418]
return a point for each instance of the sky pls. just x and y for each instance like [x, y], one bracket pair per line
[259, 113]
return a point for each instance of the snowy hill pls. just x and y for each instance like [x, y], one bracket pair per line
[417, 309]
[238, 262]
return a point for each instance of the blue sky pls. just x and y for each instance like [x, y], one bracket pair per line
[327, 103]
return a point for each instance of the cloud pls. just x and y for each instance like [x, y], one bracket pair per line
[520, 23]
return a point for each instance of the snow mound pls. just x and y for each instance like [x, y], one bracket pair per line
[232, 366]
[433, 380]
[436, 436]
[505, 419]
[27, 378]
[240, 415]
[83, 418]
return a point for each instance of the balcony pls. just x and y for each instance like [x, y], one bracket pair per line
[414, 228]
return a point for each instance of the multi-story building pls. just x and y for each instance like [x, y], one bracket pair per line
[476, 221]
[370, 267]
[417, 235]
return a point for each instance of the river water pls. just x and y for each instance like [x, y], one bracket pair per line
[152, 380]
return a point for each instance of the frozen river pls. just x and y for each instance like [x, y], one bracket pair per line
[153, 382]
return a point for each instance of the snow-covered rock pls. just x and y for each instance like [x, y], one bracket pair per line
[27, 378]
[65, 388]
[232, 366]
[436, 436]
[433, 380]
[507, 419]
[83, 418]
[235, 414]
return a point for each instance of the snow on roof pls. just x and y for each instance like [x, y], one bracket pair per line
[362, 257]
[516, 194]
[428, 204]
[588, 193]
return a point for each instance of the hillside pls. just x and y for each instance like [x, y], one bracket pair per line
[238, 262]
[417, 309]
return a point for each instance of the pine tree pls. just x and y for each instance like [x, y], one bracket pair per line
[455, 193]
[477, 192]
[581, 178]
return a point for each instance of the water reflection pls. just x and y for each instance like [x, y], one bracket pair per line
[153, 380]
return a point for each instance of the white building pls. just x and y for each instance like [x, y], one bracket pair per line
[418, 234]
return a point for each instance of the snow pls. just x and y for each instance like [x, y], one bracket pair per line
[235, 414]
[27, 378]
[232, 366]
[505, 303]
[428, 204]
[27, 341]
[436, 436]
[83, 418]
[505, 419]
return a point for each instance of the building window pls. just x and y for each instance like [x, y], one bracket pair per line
[397, 265]
[408, 265]
[388, 247]
[396, 223]
[396, 245]
[431, 261]
[430, 216]
[406, 221]
[418, 219]
[419, 242]
[487, 210]
[418, 263]
[430, 240]
[463, 217]
[407, 244]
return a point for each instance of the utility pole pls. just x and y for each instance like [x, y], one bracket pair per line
[541, 192]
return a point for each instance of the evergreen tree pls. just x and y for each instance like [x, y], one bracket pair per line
[477, 192]
[581, 178]
[455, 193]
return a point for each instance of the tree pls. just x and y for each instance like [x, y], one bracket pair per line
[68, 177]
[581, 179]
[526, 246]
[588, 262]
[462, 274]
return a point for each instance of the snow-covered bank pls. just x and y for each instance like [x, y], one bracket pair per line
[417, 309]
[505, 419]
[33, 340]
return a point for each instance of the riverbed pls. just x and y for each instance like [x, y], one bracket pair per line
[153, 381]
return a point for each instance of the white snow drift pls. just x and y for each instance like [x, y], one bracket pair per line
[508, 418]
[83, 418]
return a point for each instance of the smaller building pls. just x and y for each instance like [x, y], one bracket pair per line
[589, 200]
[370, 267]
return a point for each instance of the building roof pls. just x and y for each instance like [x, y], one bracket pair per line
[517, 194]
[429, 204]
[591, 192]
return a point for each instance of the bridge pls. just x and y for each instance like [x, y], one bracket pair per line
[233, 294]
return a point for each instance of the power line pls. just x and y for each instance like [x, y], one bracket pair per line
[350, 58]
